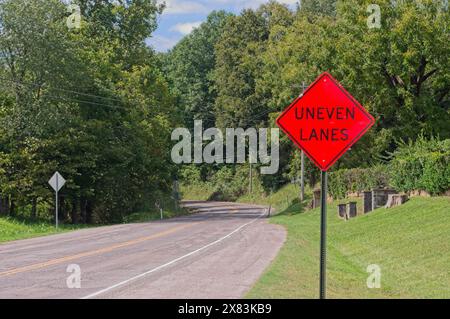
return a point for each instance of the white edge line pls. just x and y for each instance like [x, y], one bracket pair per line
[171, 262]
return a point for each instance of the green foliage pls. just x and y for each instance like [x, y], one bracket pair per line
[354, 180]
[92, 103]
[189, 67]
[230, 183]
[399, 72]
[422, 165]
[319, 7]
[239, 63]
[194, 186]
[98, 105]
[226, 184]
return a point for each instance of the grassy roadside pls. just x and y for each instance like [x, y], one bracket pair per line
[285, 200]
[410, 243]
[197, 191]
[14, 229]
[148, 216]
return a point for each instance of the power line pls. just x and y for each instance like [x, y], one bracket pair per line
[252, 119]
[67, 98]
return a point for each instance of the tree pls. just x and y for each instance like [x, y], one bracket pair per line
[319, 7]
[239, 64]
[91, 103]
[189, 66]
[31, 40]
[398, 72]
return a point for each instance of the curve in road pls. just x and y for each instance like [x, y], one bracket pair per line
[219, 251]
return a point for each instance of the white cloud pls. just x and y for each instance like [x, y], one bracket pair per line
[185, 28]
[184, 7]
[246, 4]
[162, 43]
[206, 6]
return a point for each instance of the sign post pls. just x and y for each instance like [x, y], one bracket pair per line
[57, 182]
[323, 235]
[325, 122]
[158, 206]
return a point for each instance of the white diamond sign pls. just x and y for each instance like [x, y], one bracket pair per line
[57, 181]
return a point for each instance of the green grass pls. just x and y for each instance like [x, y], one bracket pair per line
[286, 199]
[410, 243]
[146, 216]
[13, 229]
[196, 191]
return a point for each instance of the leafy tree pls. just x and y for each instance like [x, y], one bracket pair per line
[90, 103]
[189, 67]
[32, 38]
[321, 7]
[239, 65]
[397, 72]
[400, 71]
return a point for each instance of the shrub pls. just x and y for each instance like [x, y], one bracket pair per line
[230, 183]
[357, 180]
[422, 165]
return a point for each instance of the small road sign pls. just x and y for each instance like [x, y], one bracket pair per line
[325, 122]
[57, 182]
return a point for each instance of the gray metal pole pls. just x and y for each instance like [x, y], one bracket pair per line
[323, 236]
[56, 201]
[250, 187]
[302, 177]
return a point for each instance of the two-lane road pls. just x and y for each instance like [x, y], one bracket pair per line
[218, 252]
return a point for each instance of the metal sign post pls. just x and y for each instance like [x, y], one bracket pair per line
[56, 203]
[57, 182]
[323, 236]
[325, 122]
[159, 206]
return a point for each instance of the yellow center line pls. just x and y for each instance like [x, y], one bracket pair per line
[92, 253]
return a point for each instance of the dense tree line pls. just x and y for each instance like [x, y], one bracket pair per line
[98, 105]
[91, 103]
[399, 72]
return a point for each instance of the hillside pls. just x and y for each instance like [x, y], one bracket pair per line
[410, 243]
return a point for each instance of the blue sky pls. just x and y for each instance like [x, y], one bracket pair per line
[181, 16]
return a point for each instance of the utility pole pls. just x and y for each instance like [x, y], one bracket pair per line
[302, 176]
[302, 179]
[250, 186]
[176, 193]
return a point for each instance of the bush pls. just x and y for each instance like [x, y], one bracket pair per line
[422, 165]
[230, 183]
[357, 180]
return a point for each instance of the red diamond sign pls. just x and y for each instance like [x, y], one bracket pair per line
[325, 122]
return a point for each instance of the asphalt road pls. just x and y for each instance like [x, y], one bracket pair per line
[218, 252]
